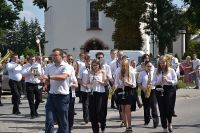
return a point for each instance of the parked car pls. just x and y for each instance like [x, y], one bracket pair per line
[5, 85]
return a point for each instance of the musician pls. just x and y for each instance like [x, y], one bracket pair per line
[14, 72]
[58, 99]
[148, 94]
[73, 86]
[125, 83]
[83, 79]
[81, 64]
[133, 66]
[98, 97]
[109, 81]
[165, 80]
[1, 80]
[196, 69]
[31, 71]
[113, 55]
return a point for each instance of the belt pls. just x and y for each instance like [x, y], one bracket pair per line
[32, 84]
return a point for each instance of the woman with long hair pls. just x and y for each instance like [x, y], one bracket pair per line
[97, 99]
[165, 81]
[125, 83]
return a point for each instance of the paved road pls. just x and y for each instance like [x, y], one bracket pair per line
[187, 108]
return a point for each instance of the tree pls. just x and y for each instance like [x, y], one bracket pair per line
[40, 3]
[165, 23]
[127, 16]
[193, 12]
[9, 12]
[23, 36]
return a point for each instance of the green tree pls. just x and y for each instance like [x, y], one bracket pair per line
[23, 36]
[40, 3]
[9, 12]
[165, 23]
[193, 12]
[127, 16]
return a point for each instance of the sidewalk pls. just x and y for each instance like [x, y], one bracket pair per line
[22, 123]
[188, 93]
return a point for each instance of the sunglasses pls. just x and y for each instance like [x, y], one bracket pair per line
[99, 57]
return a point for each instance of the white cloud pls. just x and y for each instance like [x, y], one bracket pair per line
[28, 15]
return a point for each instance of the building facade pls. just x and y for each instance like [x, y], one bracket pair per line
[76, 25]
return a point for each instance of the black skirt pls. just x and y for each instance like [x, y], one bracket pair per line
[126, 98]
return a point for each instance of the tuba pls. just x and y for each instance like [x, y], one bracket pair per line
[149, 87]
[5, 58]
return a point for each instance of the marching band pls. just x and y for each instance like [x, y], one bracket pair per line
[95, 79]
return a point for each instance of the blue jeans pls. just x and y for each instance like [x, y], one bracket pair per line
[196, 77]
[57, 106]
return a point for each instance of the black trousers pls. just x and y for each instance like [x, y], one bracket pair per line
[85, 105]
[71, 111]
[1, 79]
[149, 104]
[15, 87]
[166, 104]
[34, 95]
[97, 110]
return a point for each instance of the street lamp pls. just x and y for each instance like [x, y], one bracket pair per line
[39, 46]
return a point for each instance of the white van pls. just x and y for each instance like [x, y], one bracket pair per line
[131, 54]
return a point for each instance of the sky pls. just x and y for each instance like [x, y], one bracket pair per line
[31, 12]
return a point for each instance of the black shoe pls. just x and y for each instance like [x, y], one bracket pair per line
[17, 113]
[122, 124]
[140, 105]
[196, 87]
[112, 107]
[129, 130]
[174, 115]
[75, 113]
[146, 123]
[32, 116]
[36, 114]
[86, 121]
[170, 128]
[1, 104]
[155, 124]
[42, 101]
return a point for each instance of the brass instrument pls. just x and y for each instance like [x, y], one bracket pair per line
[149, 87]
[5, 58]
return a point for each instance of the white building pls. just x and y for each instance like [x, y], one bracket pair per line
[75, 25]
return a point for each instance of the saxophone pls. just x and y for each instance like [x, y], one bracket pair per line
[149, 87]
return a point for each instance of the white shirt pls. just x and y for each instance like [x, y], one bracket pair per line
[95, 86]
[14, 71]
[195, 63]
[143, 79]
[72, 78]
[107, 69]
[29, 76]
[84, 77]
[171, 75]
[118, 81]
[81, 64]
[58, 86]
[175, 65]
[113, 66]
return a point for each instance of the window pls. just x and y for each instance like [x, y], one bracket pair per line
[94, 15]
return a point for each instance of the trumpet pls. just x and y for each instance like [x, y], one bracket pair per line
[8, 55]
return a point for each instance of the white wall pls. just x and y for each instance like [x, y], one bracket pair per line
[66, 24]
